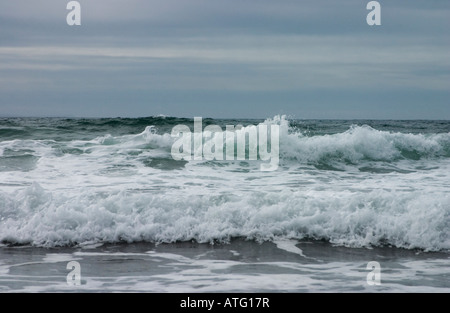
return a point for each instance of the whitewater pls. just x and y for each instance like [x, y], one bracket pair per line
[357, 184]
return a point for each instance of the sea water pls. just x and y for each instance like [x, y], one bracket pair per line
[68, 184]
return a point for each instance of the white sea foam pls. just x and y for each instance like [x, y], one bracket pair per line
[37, 216]
[289, 246]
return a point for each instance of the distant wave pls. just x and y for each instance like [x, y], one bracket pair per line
[363, 143]
[356, 145]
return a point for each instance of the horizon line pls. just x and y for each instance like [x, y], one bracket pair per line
[220, 118]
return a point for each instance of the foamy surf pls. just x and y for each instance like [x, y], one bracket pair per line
[87, 182]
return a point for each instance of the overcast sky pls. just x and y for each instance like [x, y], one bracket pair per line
[226, 58]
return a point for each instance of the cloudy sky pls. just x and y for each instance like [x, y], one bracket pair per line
[226, 58]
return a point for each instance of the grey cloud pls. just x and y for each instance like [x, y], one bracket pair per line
[315, 58]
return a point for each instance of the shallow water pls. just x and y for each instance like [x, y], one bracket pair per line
[242, 266]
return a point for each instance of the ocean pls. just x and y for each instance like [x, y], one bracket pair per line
[108, 194]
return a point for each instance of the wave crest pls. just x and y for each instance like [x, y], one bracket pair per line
[363, 143]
